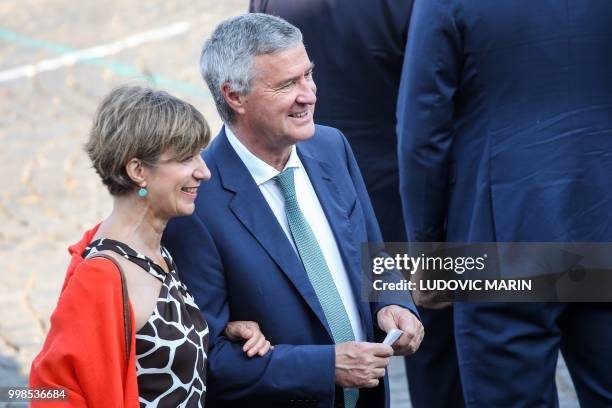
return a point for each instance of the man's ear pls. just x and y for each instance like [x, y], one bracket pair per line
[136, 170]
[234, 99]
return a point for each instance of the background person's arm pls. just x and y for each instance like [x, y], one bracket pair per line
[425, 112]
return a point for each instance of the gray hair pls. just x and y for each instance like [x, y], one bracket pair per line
[227, 56]
[139, 122]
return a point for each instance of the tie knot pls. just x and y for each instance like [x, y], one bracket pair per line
[285, 181]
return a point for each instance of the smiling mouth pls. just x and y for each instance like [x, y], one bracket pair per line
[190, 190]
[299, 114]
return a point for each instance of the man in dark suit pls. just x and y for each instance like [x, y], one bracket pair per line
[358, 49]
[505, 134]
[277, 235]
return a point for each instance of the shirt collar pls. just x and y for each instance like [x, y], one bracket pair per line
[259, 169]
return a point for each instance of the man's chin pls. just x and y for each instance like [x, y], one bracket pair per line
[305, 132]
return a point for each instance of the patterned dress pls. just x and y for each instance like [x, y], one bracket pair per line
[171, 347]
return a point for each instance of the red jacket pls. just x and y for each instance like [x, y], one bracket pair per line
[84, 352]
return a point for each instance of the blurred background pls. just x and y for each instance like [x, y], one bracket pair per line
[57, 59]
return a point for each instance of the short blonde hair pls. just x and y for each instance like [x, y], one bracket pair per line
[139, 122]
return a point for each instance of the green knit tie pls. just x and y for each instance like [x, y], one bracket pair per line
[318, 271]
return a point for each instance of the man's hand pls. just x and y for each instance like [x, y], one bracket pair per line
[256, 342]
[431, 299]
[397, 317]
[360, 364]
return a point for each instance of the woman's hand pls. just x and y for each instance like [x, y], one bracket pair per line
[256, 342]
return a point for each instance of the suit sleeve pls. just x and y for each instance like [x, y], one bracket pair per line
[373, 230]
[425, 117]
[288, 371]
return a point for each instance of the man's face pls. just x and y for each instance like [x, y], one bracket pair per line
[278, 111]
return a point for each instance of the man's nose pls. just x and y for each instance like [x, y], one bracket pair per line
[308, 93]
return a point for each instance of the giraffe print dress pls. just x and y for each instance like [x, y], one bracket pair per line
[171, 347]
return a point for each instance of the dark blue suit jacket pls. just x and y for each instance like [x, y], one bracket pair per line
[239, 265]
[505, 121]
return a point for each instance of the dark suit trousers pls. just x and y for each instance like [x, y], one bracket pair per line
[433, 374]
[508, 352]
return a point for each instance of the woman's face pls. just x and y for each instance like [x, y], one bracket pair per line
[172, 185]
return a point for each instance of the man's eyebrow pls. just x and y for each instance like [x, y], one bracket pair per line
[287, 80]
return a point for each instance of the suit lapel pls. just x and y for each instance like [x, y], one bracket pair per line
[253, 211]
[336, 208]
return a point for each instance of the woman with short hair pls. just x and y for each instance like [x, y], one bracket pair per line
[106, 350]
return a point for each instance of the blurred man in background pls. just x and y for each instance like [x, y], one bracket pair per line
[505, 134]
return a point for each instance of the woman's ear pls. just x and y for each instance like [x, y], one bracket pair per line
[136, 170]
[234, 99]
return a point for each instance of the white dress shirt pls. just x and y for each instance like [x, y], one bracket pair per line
[307, 199]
